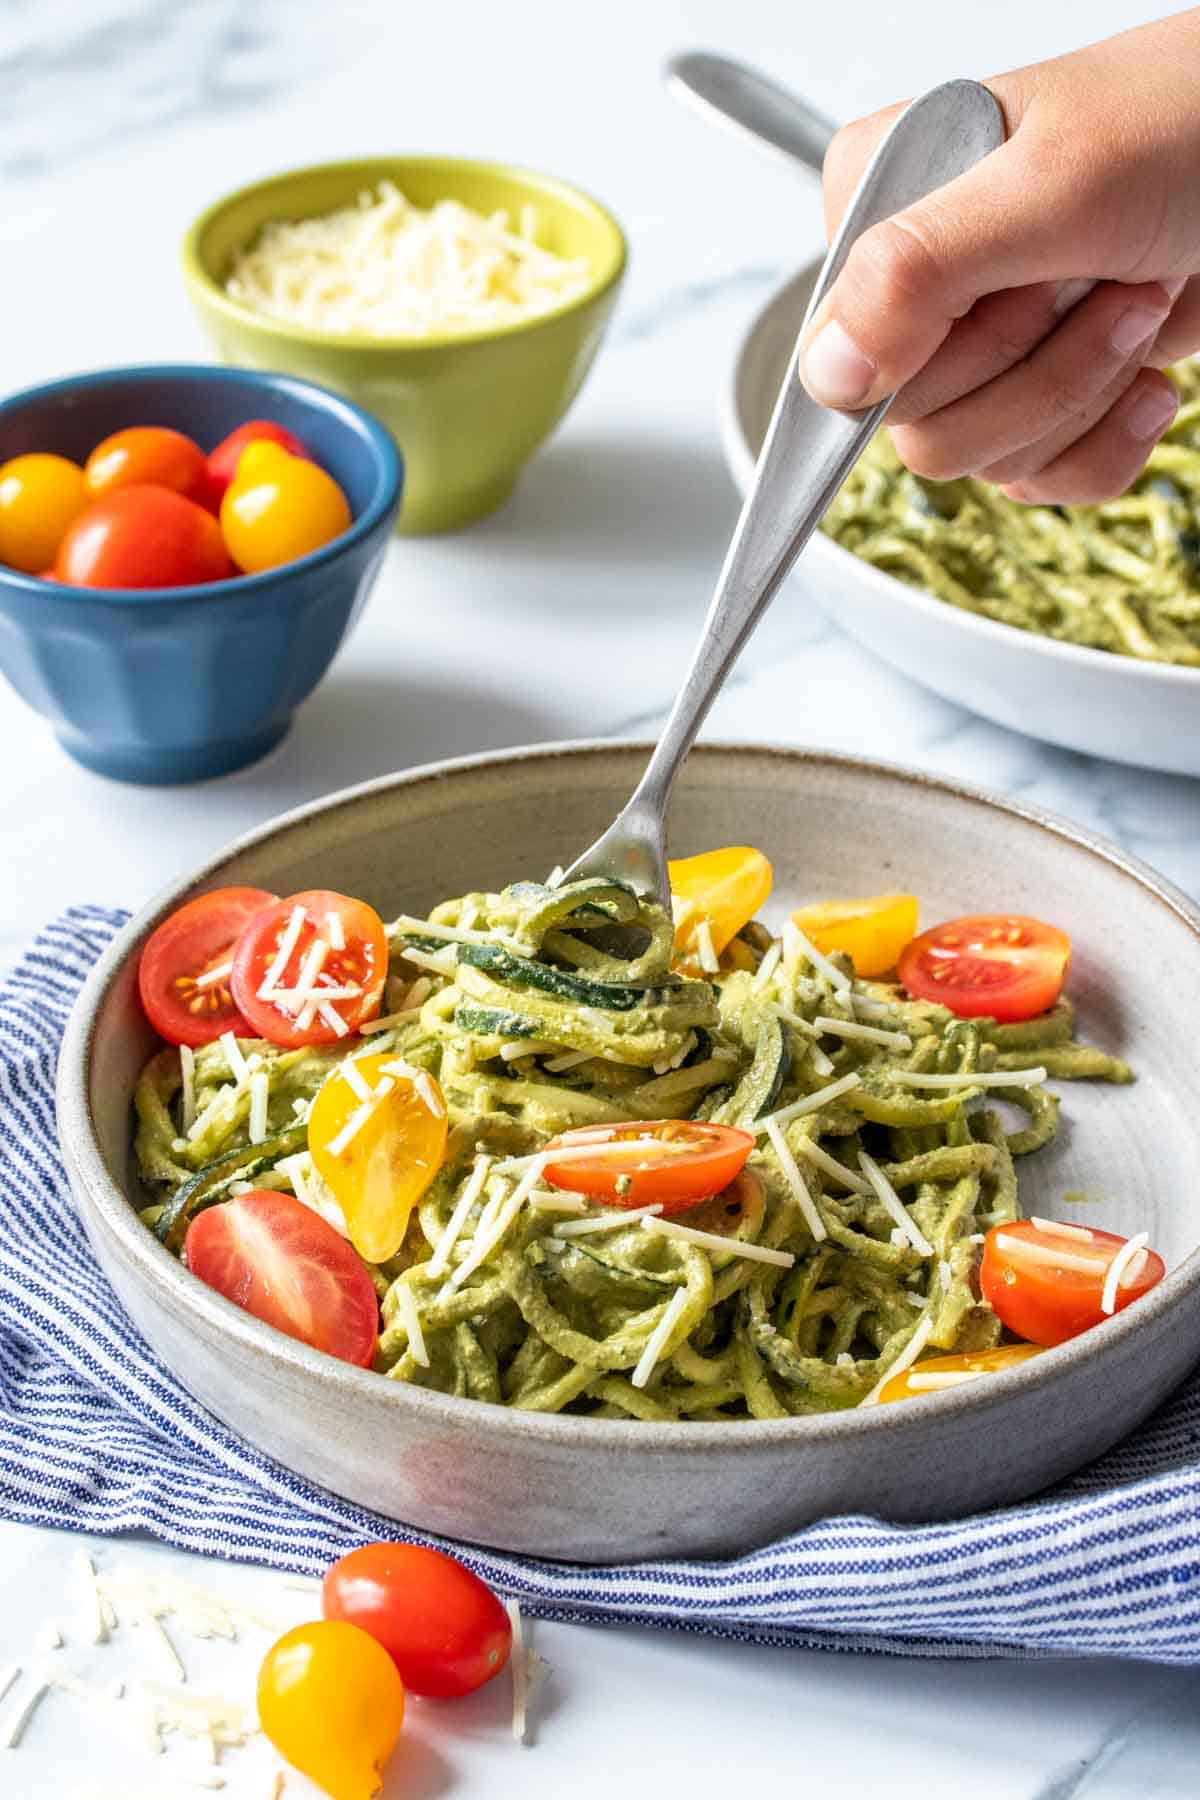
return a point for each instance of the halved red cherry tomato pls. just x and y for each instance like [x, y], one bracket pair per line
[183, 1001]
[687, 1161]
[276, 1258]
[223, 461]
[991, 965]
[144, 454]
[317, 992]
[937, 1373]
[142, 537]
[1047, 1285]
[444, 1629]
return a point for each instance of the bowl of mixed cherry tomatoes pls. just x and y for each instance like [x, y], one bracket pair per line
[182, 551]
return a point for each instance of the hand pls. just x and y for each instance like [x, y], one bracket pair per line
[1022, 313]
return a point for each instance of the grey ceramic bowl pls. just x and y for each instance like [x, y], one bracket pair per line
[590, 1489]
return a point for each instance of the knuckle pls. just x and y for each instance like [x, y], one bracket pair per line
[1066, 395]
[899, 262]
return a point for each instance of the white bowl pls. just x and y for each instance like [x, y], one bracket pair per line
[1088, 700]
[614, 1489]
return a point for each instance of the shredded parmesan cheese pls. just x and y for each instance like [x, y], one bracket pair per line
[520, 1671]
[868, 1034]
[439, 1262]
[893, 1205]
[608, 1221]
[657, 1342]
[187, 1068]
[453, 934]
[287, 944]
[214, 977]
[12, 1729]
[1129, 1252]
[905, 1360]
[947, 1378]
[812, 1152]
[337, 1146]
[808, 1103]
[1056, 1228]
[1031, 1251]
[260, 1094]
[389, 269]
[410, 1318]
[795, 1181]
[768, 965]
[706, 955]
[354, 1078]
[712, 1240]
[796, 945]
[238, 1066]
[995, 1078]
[336, 930]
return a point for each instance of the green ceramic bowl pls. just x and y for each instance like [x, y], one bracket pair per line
[467, 409]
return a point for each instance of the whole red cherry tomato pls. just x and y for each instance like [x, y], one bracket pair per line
[142, 537]
[223, 461]
[443, 1628]
[146, 455]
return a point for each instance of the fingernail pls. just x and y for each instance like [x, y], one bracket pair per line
[1150, 413]
[834, 369]
[1135, 325]
[1175, 287]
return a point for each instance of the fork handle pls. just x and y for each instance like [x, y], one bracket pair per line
[810, 450]
[739, 97]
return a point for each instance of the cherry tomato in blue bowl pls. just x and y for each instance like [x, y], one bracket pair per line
[183, 683]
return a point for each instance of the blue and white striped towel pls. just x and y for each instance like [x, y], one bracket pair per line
[95, 1435]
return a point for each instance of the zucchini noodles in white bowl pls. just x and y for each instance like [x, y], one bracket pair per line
[1136, 699]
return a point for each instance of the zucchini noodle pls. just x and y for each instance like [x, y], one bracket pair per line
[542, 1009]
[1123, 576]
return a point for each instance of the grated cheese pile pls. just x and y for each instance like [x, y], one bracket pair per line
[389, 269]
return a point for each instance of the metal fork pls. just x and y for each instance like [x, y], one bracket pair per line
[808, 453]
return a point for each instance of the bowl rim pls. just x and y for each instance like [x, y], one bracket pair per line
[389, 480]
[191, 1297]
[742, 461]
[605, 275]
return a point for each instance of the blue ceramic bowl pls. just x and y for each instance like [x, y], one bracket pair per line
[180, 684]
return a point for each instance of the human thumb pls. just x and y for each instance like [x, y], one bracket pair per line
[908, 280]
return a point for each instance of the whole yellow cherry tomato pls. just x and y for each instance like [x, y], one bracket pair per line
[380, 1173]
[872, 932]
[941, 1372]
[721, 888]
[40, 494]
[279, 507]
[332, 1703]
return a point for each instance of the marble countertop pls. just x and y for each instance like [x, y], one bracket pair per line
[120, 119]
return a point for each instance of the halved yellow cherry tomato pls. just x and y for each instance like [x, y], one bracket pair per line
[279, 507]
[723, 888]
[332, 1703]
[871, 932]
[941, 1372]
[379, 1170]
[39, 497]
